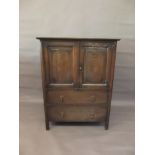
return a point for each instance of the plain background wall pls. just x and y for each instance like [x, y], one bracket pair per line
[76, 18]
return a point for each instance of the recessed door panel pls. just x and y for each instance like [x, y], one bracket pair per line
[62, 65]
[95, 63]
[94, 66]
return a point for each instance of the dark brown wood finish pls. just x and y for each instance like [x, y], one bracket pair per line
[77, 79]
[74, 113]
[72, 97]
[96, 59]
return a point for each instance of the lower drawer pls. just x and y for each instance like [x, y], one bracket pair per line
[76, 113]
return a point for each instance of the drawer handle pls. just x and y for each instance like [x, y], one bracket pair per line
[62, 114]
[61, 99]
[92, 116]
[93, 98]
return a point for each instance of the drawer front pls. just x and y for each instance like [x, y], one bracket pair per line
[76, 97]
[76, 113]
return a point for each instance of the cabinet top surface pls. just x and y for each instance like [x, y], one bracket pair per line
[55, 38]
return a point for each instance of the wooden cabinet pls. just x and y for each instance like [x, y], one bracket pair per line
[77, 79]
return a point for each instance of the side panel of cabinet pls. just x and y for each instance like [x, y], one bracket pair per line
[61, 65]
[95, 63]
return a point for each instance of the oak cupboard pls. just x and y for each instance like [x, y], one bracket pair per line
[77, 79]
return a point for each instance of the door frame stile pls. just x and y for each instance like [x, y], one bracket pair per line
[76, 59]
[81, 63]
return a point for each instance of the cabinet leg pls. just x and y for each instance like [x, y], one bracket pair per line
[47, 125]
[106, 126]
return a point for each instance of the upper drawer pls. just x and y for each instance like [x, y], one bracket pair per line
[76, 97]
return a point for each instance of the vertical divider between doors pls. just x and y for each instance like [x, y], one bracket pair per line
[81, 64]
[76, 63]
[79, 58]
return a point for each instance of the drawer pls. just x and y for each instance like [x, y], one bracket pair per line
[76, 97]
[76, 113]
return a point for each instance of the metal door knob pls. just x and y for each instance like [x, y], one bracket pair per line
[80, 68]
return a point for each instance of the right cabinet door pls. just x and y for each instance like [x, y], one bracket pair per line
[95, 64]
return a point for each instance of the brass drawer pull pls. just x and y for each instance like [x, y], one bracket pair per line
[92, 116]
[62, 114]
[93, 98]
[61, 99]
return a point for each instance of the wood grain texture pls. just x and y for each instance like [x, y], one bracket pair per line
[123, 89]
[68, 137]
[61, 65]
[82, 97]
[77, 79]
[76, 113]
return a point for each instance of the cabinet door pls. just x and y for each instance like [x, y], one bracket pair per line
[62, 63]
[95, 65]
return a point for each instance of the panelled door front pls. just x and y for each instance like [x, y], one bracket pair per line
[67, 65]
[95, 63]
[61, 63]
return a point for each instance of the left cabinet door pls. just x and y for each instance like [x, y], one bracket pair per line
[61, 61]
